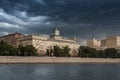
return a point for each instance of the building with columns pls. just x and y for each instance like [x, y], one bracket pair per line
[42, 42]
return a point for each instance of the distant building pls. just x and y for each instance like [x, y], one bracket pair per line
[113, 42]
[11, 39]
[43, 42]
[93, 43]
[102, 44]
[109, 42]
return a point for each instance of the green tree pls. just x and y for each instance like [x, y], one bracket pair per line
[101, 54]
[118, 54]
[111, 53]
[87, 52]
[7, 50]
[57, 51]
[61, 52]
[81, 52]
[30, 50]
[49, 52]
[66, 51]
[27, 50]
[21, 50]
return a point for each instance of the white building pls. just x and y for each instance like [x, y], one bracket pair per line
[44, 42]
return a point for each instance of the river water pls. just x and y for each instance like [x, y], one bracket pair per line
[59, 71]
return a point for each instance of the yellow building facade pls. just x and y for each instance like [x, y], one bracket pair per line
[44, 42]
[93, 43]
[109, 42]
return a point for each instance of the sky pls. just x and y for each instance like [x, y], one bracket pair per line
[84, 19]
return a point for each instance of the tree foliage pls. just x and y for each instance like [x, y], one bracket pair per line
[58, 52]
[27, 50]
[7, 50]
[87, 52]
[93, 53]
[111, 53]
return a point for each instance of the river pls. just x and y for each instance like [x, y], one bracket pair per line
[59, 71]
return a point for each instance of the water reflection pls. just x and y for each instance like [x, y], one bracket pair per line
[59, 72]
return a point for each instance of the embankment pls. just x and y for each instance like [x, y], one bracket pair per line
[22, 60]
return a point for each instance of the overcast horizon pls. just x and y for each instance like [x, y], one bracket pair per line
[83, 19]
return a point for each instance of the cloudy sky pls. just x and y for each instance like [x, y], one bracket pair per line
[84, 19]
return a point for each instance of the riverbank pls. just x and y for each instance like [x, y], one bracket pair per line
[22, 60]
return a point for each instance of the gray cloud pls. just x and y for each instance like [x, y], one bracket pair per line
[82, 18]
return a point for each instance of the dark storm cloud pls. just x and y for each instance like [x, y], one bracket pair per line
[82, 18]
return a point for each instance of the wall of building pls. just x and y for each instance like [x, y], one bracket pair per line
[118, 41]
[93, 43]
[109, 42]
[11, 39]
[26, 40]
[42, 43]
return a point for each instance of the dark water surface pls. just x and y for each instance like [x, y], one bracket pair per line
[59, 71]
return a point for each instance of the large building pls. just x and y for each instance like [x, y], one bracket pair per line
[109, 42]
[103, 44]
[11, 39]
[93, 43]
[44, 42]
[113, 42]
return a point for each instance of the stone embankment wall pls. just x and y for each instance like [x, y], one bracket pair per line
[17, 60]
